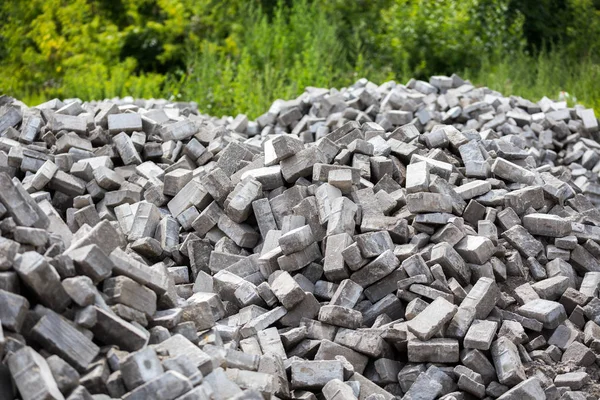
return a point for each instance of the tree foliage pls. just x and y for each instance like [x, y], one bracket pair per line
[232, 56]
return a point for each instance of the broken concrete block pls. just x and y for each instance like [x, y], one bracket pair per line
[480, 334]
[507, 362]
[315, 374]
[13, 311]
[126, 122]
[91, 261]
[376, 269]
[42, 278]
[428, 322]
[475, 249]
[428, 202]
[32, 375]
[433, 350]
[110, 329]
[550, 313]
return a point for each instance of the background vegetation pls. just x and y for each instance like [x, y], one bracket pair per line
[240, 55]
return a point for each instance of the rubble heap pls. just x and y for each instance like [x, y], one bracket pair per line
[419, 241]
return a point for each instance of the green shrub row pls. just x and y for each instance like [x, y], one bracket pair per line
[239, 56]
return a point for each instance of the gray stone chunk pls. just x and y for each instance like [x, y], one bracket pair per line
[523, 199]
[480, 301]
[428, 202]
[512, 172]
[376, 269]
[59, 337]
[66, 377]
[10, 117]
[81, 289]
[550, 313]
[572, 380]
[315, 374]
[340, 316]
[184, 366]
[338, 390]
[522, 240]
[124, 290]
[475, 249]
[242, 234]
[368, 388]
[32, 375]
[91, 261]
[269, 177]
[126, 265]
[263, 321]
[325, 195]
[270, 342]
[255, 383]
[299, 259]
[180, 130]
[432, 319]
[110, 329]
[480, 335]
[353, 257]
[441, 186]
[167, 386]
[140, 367]
[104, 235]
[264, 216]
[473, 189]
[341, 218]
[373, 244]
[13, 311]
[239, 203]
[551, 288]
[547, 225]
[44, 175]
[347, 294]
[583, 260]
[363, 341]
[590, 284]
[126, 149]
[507, 362]
[528, 389]
[42, 278]
[333, 264]
[192, 194]
[417, 177]
[301, 163]
[329, 350]
[280, 148]
[19, 204]
[287, 290]
[126, 122]
[451, 262]
[433, 350]
[69, 123]
[296, 239]
[578, 354]
[437, 167]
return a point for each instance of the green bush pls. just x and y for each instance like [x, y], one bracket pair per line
[239, 56]
[423, 37]
[273, 58]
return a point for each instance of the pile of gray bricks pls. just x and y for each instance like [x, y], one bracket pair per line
[433, 240]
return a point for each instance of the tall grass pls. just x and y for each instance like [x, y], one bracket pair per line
[274, 59]
[547, 74]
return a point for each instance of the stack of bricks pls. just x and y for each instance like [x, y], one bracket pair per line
[420, 241]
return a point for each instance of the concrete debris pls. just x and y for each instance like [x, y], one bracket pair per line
[433, 240]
